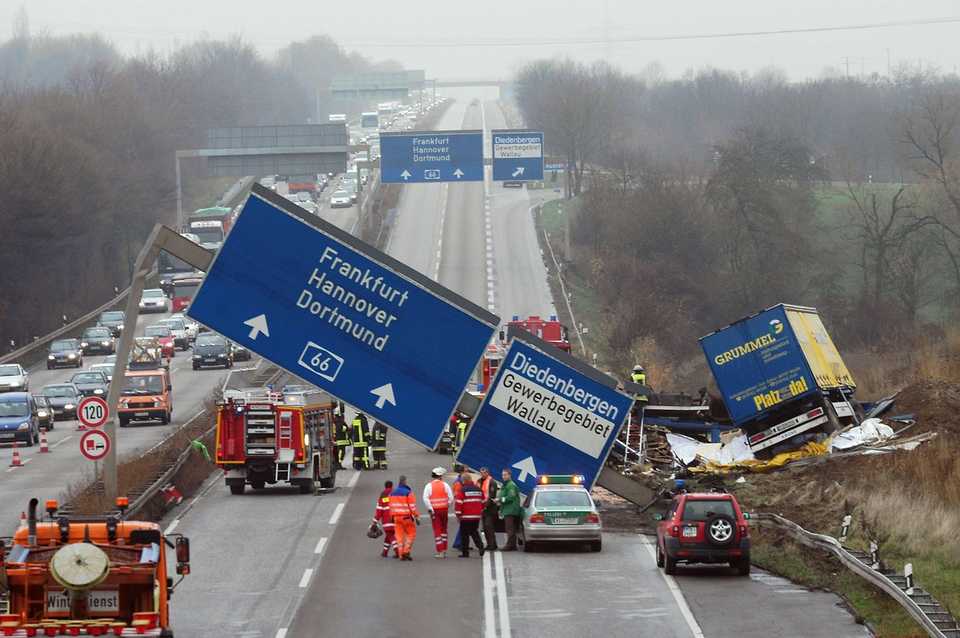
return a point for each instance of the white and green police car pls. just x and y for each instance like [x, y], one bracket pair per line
[560, 510]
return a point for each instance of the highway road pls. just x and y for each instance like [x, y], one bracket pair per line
[48, 475]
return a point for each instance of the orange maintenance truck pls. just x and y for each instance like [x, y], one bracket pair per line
[267, 437]
[88, 576]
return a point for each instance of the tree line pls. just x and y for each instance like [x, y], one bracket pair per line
[705, 198]
[89, 137]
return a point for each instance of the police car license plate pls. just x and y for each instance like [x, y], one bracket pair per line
[689, 532]
[565, 521]
[99, 601]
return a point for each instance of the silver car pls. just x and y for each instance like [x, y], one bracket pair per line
[559, 510]
[153, 300]
[13, 378]
[192, 327]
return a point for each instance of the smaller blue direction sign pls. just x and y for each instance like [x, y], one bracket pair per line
[343, 316]
[517, 155]
[435, 156]
[546, 413]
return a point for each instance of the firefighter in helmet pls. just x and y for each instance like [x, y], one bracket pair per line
[460, 433]
[361, 442]
[343, 435]
[379, 445]
[638, 375]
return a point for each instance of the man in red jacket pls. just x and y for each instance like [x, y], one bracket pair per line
[469, 509]
[382, 516]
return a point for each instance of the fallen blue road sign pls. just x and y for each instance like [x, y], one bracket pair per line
[343, 316]
[435, 156]
[546, 413]
[517, 155]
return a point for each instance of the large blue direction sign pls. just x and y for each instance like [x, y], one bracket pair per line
[343, 316]
[517, 155]
[435, 156]
[546, 413]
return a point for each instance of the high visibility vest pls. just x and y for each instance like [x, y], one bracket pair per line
[438, 495]
[485, 487]
[639, 377]
[461, 432]
[343, 435]
[403, 506]
[383, 512]
[359, 434]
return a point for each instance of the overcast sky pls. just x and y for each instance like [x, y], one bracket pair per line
[465, 30]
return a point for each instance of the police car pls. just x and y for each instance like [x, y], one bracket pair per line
[560, 510]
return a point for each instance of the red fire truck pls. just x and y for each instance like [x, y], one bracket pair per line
[267, 438]
[551, 330]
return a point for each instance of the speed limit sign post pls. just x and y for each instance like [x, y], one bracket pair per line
[92, 412]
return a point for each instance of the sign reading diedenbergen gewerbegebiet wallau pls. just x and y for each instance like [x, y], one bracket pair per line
[435, 156]
[343, 316]
[543, 415]
[517, 155]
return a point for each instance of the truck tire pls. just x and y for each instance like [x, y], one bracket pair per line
[833, 421]
[124, 421]
[327, 483]
[306, 486]
[257, 485]
[237, 488]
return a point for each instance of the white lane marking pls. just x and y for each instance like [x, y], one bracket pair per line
[172, 526]
[502, 596]
[677, 596]
[282, 633]
[320, 545]
[305, 579]
[790, 591]
[489, 620]
[337, 511]
[61, 442]
[354, 479]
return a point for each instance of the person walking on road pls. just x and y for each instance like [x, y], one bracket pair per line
[385, 519]
[457, 492]
[379, 446]
[510, 509]
[469, 509]
[361, 442]
[342, 440]
[437, 496]
[490, 510]
[406, 518]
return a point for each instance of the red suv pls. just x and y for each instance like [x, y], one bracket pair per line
[703, 528]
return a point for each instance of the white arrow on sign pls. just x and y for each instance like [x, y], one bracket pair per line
[526, 467]
[458, 173]
[384, 394]
[405, 174]
[258, 326]
[518, 172]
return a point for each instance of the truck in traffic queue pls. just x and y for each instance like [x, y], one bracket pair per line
[781, 378]
[182, 289]
[550, 330]
[268, 437]
[93, 576]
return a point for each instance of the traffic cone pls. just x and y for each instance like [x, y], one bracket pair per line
[80, 426]
[15, 461]
[43, 441]
[23, 520]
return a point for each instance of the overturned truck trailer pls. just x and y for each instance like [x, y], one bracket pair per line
[781, 377]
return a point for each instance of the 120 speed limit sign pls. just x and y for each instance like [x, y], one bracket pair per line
[92, 412]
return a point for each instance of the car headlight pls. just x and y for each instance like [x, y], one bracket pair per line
[69, 406]
[42, 414]
[23, 426]
[71, 356]
[98, 391]
[221, 355]
[84, 344]
[51, 357]
[105, 343]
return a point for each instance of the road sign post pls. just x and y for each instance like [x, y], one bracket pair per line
[546, 413]
[343, 316]
[436, 156]
[517, 155]
[93, 412]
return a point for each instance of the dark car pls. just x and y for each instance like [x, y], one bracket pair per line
[65, 352]
[63, 399]
[91, 383]
[211, 351]
[44, 412]
[97, 340]
[704, 528]
[240, 353]
[18, 418]
[112, 319]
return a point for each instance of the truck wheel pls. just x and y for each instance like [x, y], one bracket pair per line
[306, 486]
[327, 482]
[124, 422]
[257, 485]
[237, 488]
[165, 419]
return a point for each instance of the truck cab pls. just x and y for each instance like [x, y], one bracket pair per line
[147, 395]
[98, 575]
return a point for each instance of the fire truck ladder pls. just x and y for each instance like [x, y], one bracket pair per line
[285, 452]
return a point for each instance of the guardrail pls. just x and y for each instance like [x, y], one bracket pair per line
[919, 604]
